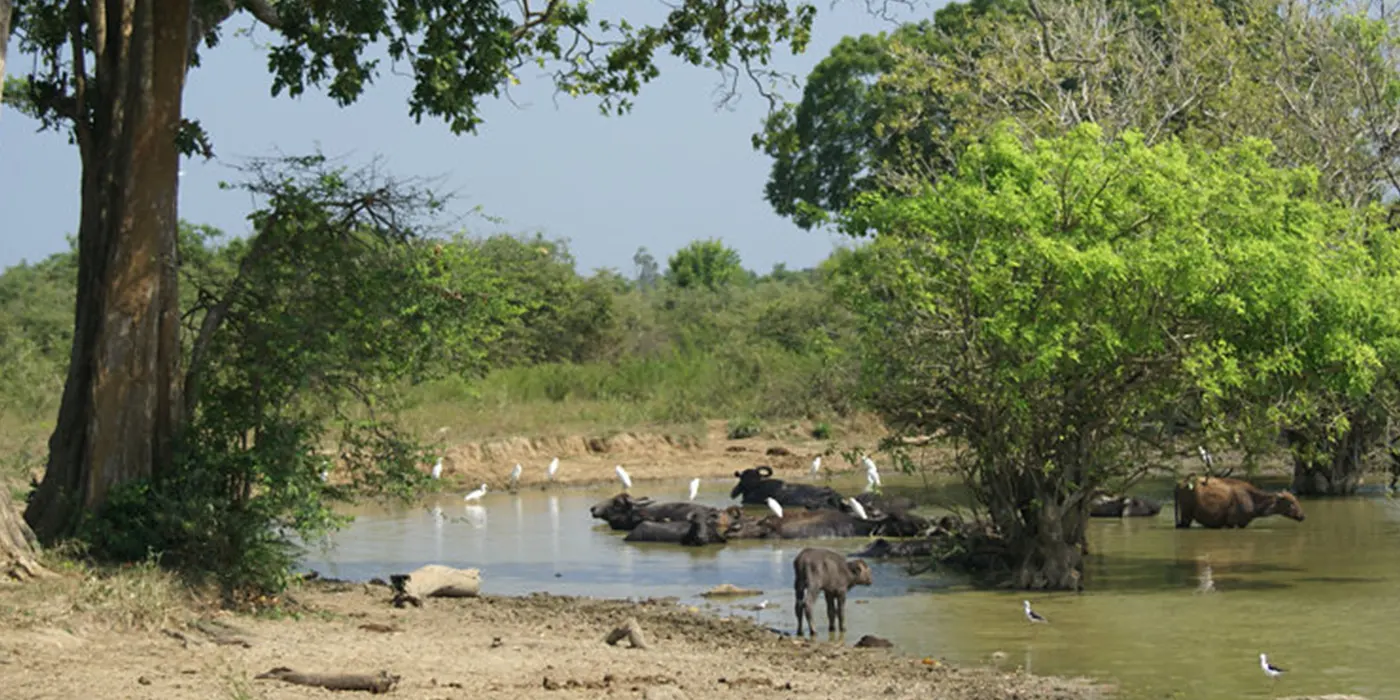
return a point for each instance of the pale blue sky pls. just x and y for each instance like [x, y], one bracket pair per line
[673, 170]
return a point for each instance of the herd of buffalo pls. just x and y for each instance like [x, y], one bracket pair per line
[810, 511]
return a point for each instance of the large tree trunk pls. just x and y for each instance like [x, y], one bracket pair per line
[6, 9]
[120, 406]
[1050, 552]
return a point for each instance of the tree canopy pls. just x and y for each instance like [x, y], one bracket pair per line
[1041, 303]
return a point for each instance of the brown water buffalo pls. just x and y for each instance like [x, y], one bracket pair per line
[824, 524]
[822, 570]
[623, 512]
[1216, 502]
[698, 529]
[1123, 507]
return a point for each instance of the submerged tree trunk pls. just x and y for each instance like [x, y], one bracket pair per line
[1050, 553]
[121, 404]
[1324, 467]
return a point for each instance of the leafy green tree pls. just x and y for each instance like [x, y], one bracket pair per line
[112, 74]
[565, 317]
[1042, 302]
[709, 264]
[648, 272]
[302, 338]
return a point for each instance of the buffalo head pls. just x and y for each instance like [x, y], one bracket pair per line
[749, 480]
[620, 511]
[1287, 505]
[860, 572]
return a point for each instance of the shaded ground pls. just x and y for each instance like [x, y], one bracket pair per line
[538, 646]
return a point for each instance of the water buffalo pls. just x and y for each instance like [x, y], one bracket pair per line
[882, 548]
[1216, 502]
[1123, 507]
[623, 512]
[825, 524]
[756, 486]
[827, 572]
[698, 529]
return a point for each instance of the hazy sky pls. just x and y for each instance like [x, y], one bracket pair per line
[673, 170]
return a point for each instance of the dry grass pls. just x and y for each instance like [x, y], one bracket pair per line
[139, 597]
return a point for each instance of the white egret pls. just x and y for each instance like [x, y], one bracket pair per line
[872, 474]
[816, 465]
[775, 507]
[475, 495]
[553, 467]
[622, 476]
[437, 469]
[858, 509]
[694, 487]
[515, 474]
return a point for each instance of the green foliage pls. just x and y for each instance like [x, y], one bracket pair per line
[741, 428]
[457, 52]
[1044, 302]
[709, 264]
[304, 336]
[822, 431]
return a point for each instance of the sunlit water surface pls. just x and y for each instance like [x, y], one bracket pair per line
[1320, 597]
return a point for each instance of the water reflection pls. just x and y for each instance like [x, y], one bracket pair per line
[1308, 594]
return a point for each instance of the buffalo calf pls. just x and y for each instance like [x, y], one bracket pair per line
[822, 570]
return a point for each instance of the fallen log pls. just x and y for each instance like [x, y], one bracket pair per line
[381, 682]
[435, 580]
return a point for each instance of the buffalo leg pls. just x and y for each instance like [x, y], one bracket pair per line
[800, 605]
[807, 606]
[831, 611]
[841, 611]
[1183, 514]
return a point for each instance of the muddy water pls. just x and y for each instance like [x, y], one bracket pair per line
[1321, 597]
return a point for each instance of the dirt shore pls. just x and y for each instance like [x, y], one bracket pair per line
[497, 647]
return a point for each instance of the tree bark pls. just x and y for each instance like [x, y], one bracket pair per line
[121, 406]
[1051, 556]
[17, 545]
[6, 10]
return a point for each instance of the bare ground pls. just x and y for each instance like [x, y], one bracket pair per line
[538, 646]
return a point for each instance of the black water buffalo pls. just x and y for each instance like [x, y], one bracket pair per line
[1123, 507]
[623, 512]
[823, 524]
[698, 529]
[826, 572]
[757, 485]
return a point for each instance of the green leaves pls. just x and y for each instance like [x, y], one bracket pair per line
[1048, 299]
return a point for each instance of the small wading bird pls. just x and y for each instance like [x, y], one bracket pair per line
[437, 469]
[1034, 616]
[694, 487]
[773, 506]
[553, 467]
[515, 474]
[872, 474]
[816, 465]
[858, 508]
[475, 495]
[622, 476]
[1270, 670]
[1206, 457]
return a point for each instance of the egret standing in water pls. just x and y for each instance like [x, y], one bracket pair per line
[694, 487]
[437, 469]
[515, 475]
[475, 495]
[872, 474]
[622, 476]
[1270, 670]
[775, 507]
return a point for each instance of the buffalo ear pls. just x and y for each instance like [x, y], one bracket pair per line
[738, 475]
